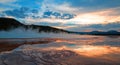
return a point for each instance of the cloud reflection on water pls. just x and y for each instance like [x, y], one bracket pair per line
[102, 53]
[90, 49]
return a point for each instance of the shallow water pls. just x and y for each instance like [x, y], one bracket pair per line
[95, 50]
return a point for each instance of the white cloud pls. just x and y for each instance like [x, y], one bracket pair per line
[101, 17]
[98, 17]
[8, 5]
[52, 6]
[63, 8]
[49, 20]
[7, 1]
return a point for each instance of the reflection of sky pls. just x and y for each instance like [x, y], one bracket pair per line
[104, 53]
[97, 47]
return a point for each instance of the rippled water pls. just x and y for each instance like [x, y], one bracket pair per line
[95, 50]
[104, 48]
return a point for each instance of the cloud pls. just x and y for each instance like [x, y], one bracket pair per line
[8, 5]
[31, 16]
[86, 6]
[21, 12]
[94, 27]
[65, 8]
[59, 20]
[98, 17]
[94, 4]
[7, 1]
[62, 13]
[45, 20]
[79, 6]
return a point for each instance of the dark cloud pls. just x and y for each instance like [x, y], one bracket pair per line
[57, 15]
[95, 27]
[17, 13]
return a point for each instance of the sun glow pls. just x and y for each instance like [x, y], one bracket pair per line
[99, 17]
[89, 19]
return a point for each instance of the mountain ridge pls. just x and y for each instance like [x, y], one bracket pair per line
[7, 24]
[110, 32]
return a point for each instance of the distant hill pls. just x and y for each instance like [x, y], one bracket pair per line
[8, 24]
[111, 32]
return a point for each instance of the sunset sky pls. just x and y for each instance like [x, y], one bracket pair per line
[74, 15]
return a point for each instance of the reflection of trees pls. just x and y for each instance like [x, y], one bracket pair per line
[8, 24]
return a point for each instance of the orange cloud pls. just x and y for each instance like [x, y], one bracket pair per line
[99, 17]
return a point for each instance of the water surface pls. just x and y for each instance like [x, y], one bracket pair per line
[90, 49]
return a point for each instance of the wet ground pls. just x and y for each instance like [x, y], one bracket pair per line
[76, 50]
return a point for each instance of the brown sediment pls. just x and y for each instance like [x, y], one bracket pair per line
[10, 45]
